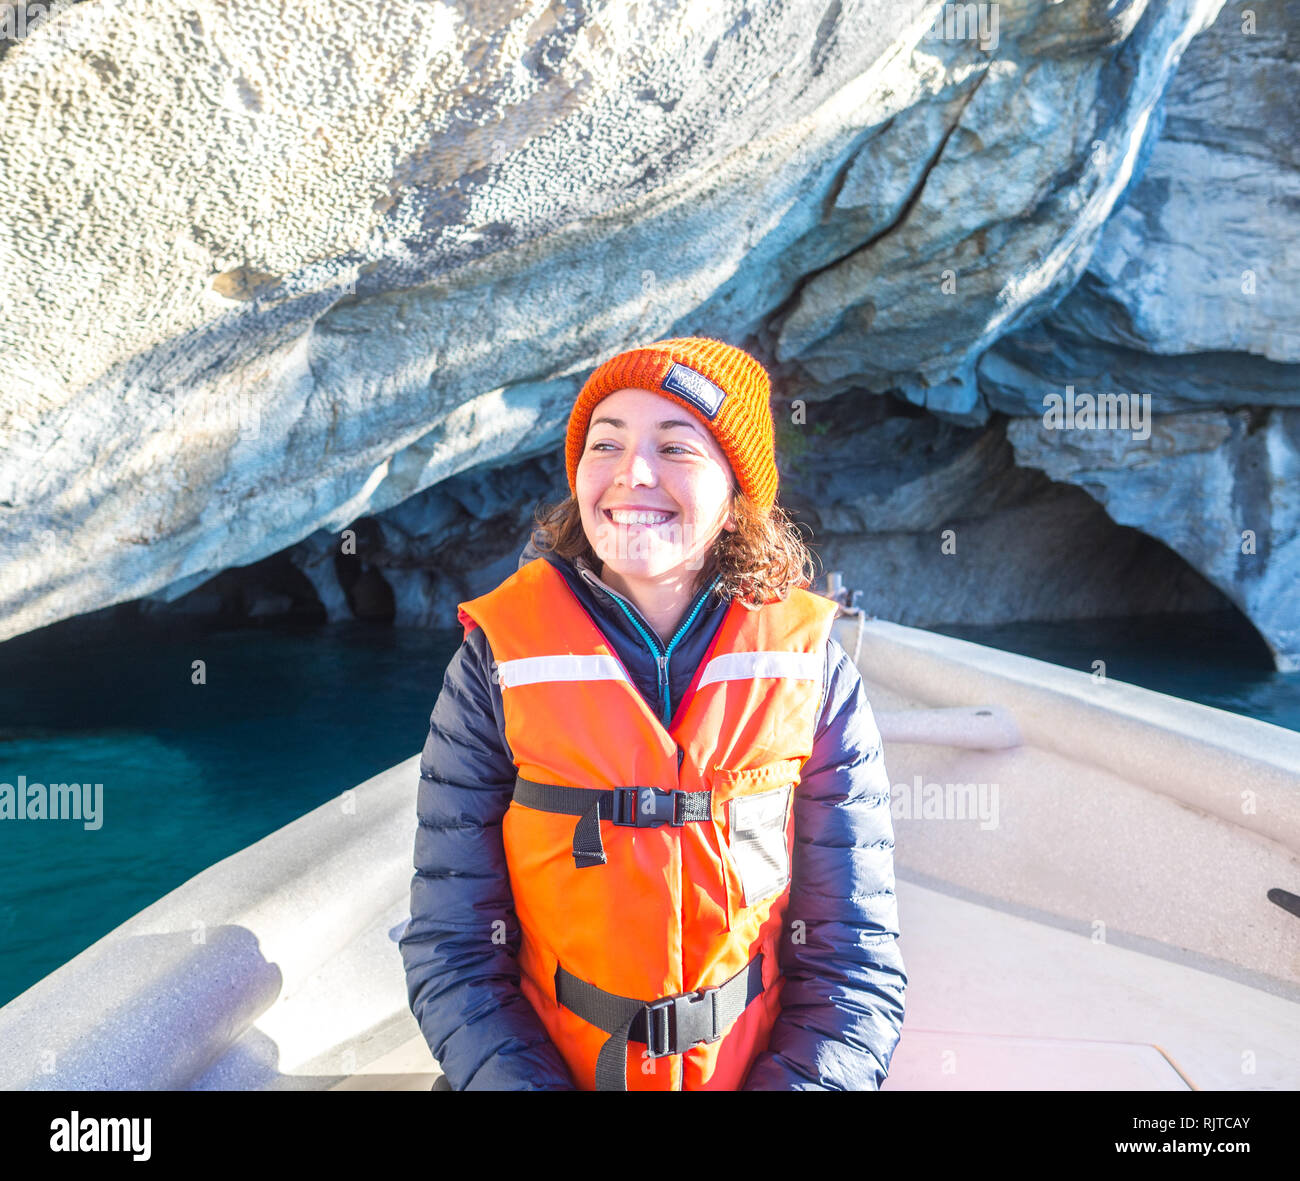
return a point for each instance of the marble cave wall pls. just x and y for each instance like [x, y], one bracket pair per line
[265, 282]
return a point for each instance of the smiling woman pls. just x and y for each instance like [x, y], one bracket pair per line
[647, 750]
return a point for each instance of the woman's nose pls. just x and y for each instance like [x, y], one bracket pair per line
[635, 468]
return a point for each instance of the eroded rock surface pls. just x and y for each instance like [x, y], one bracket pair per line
[1189, 302]
[272, 278]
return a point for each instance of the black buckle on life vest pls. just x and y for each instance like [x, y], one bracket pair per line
[624, 806]
[673, 1024]
[670, 1025]
[647, 807]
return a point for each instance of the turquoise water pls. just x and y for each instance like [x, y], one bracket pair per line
[1216, 659]
[191, 773]
[291, 717]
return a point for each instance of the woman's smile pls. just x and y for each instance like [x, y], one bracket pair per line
[643, 517]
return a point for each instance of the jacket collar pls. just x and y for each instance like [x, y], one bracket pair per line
[588, 586]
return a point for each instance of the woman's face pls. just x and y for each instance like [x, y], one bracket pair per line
[653, 487]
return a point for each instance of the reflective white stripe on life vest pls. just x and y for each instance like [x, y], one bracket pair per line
[744, 666]
[529, 670]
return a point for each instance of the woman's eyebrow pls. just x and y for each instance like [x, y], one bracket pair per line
[619, 424]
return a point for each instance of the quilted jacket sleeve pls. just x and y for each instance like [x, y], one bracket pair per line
[461, 946]
[842, 1004]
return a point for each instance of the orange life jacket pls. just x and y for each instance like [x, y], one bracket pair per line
[636, 906]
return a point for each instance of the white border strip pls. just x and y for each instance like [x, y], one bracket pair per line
[746, 666]
[533, 670]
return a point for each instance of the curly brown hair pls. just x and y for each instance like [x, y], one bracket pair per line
[761, 561]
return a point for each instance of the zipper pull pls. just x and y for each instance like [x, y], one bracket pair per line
[662, 661]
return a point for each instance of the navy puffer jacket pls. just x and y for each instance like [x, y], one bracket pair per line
[842, 1004]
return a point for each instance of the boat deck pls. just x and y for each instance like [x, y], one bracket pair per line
[996, 1001]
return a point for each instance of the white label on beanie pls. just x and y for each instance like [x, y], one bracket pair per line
[697, 389]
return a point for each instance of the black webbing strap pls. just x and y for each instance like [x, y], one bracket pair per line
[670, 1025]
[630, 807]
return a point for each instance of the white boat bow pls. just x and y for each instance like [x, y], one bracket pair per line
[1097, 916]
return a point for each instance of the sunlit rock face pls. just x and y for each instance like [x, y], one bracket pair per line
[1189, 295]
[265, 280]
[1189, 304]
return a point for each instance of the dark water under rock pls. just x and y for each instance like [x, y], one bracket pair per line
[292, 716]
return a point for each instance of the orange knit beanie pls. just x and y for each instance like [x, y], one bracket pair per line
[723, 386]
